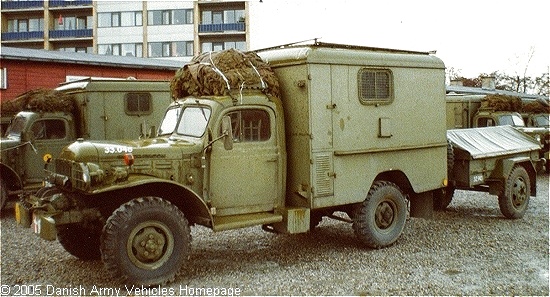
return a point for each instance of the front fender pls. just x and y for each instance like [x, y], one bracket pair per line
[186, 199]
[10, 179]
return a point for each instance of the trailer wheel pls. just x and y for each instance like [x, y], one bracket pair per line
[515, 199]
[81, 240]
[146, 241]
[380, 219]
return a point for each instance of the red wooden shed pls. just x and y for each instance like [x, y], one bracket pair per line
[23, 69]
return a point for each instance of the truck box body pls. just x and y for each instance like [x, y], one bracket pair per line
[338, 143]
[118, 109]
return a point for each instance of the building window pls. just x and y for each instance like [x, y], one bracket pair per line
[222, 17]
[121, 49]
[120, 19]
[170, 49]
[3, 78]
[220, 46]
[25, 25]
[375, 86]
[138, 104]
[170, 17]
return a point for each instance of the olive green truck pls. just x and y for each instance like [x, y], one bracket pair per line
[357, 134]
[90, 108]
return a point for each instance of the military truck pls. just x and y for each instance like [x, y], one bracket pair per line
[467, 111]
[325, 130]
[89, 109]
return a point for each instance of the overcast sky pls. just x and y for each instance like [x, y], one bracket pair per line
[474, 37]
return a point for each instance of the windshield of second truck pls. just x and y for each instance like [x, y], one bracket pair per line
[513, 120]
[16, 126]
[192, 123]
[542, 121]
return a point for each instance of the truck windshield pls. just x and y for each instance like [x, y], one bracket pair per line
[16, 127]
[542, 121]
[511, 119]
[192, 123]
[170, 121]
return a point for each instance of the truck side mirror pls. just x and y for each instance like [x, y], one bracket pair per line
[227, 131]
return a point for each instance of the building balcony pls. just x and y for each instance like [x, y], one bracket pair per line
[63, 3]
[79, 33]
[11, 36]
[215, 28]
[6, 5]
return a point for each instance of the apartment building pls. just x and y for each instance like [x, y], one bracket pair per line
[154, 29]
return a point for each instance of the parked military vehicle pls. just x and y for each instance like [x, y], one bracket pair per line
[321, 130]
[45, 121]
[529, 116]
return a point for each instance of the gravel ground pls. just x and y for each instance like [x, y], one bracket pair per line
[470, 249]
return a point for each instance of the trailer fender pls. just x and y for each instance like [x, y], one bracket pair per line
[502, 171]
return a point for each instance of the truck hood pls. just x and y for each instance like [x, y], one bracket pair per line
[109, 151]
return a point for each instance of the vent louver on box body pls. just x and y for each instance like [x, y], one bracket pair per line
[323, 175]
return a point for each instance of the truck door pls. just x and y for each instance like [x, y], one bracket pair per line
[245, 179]
[48, 137]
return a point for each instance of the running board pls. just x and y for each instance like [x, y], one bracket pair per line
[245, 220]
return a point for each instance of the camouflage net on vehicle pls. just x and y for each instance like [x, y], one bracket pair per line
[502, 103]
[512, 103]
[45, 100]
[215, 73]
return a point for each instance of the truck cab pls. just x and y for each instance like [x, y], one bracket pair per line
[489, 118]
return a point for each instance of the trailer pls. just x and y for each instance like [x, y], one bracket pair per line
[500, 160]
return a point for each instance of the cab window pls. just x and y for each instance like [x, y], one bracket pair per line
[250, 125]
[48, 129]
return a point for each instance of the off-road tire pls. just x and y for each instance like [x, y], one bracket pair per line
[380, 219]
[146, 241]
[81, 240]
[517, 190]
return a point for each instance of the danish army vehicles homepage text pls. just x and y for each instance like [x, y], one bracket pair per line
[348, 132]
[47, 120]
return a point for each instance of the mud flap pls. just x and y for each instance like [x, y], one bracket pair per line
[422, 205]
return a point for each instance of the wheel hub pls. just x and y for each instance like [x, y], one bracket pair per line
[384, 215]
[519, 194]
[149, 244]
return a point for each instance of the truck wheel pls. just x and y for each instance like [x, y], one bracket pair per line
[515, 199]
[80, 240]
[380, 219]
[3, 195]
[146, 241]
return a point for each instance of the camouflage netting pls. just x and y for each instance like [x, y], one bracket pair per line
[502, 102]
[512, 103]
[46, 100]
[209, 74]
[536, 107]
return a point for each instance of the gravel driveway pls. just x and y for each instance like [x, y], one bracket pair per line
[470, 249]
